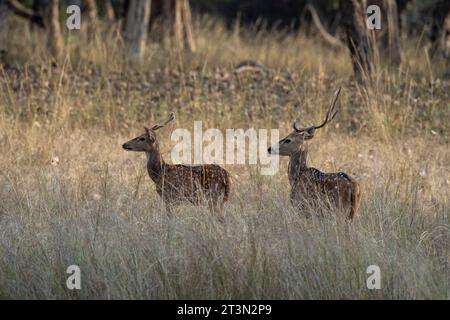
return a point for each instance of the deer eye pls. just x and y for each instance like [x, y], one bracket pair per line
[287, 141]
[141, 139]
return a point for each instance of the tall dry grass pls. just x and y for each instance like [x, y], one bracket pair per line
[96, 207]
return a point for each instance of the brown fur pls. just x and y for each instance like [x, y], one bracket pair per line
[338, 189]
[356, 199]
[178, 183]
[181, 183]
[341, 190]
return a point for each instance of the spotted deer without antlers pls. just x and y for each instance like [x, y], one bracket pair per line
[179, 183]
[308, 183]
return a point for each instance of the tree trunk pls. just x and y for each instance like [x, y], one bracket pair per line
[183, 25]
[187, 18]
[439, 13]
[173, 18]
[358, 37]
[162, 19]
[445, 36]
[440, 29]
[364, 44]
[54, 38]
[136, 27]
[3, 14]
[178, 27]
[110, 15]
[392, 46]
[90, 8]
[106, 9]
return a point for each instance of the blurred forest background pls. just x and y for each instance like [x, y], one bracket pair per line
[69, 193]
[337, 22]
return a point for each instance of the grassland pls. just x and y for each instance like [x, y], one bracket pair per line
[70, 195]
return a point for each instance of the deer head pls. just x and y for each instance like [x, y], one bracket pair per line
[147, 142]
[295, 140]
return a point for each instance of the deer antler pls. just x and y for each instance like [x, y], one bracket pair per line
[169, 119]
[331, 113]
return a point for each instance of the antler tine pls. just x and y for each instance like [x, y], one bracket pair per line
[331, 113]
[169, 119]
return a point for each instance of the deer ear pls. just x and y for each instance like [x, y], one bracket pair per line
[150, 134]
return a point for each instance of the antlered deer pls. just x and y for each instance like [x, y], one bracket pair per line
[309, 183]
[178, 183]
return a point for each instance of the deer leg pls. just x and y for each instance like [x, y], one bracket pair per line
[221, 212]
[216, 208]
[169, 209]
[169, 212]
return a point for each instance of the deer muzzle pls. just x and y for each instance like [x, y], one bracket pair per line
[275, 149]
[127, 146]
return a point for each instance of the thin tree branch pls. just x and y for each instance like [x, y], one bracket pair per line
[17, 8]
[330, 39]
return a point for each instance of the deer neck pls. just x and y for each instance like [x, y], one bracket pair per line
[297, 163]
[155, 165]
